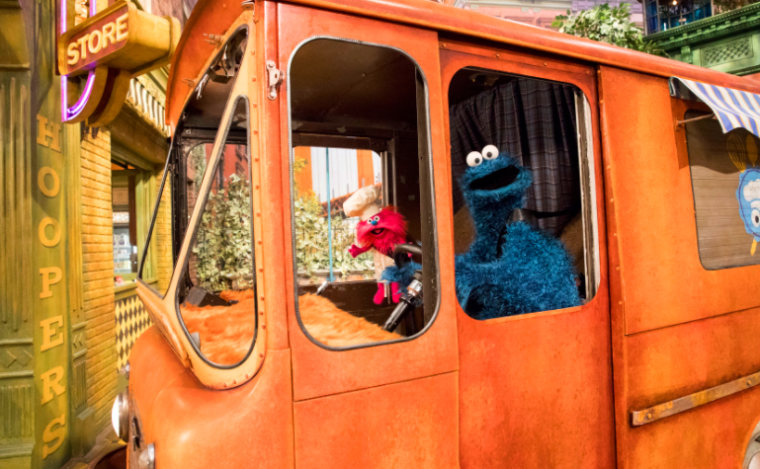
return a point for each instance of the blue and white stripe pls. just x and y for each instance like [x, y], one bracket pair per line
[733, 108]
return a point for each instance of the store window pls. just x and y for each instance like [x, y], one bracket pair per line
[363, 229]
[725, 176]
[524, 220]
[123, 185]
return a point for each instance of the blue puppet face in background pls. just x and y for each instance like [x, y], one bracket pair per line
[493, 178]
[748, 195]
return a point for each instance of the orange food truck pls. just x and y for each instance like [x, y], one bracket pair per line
[577, 226]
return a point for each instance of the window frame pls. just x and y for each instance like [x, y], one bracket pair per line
[427, 198]
[163, 308]
[189, 238]
[587, 153]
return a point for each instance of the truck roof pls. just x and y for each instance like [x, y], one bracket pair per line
[214, 17]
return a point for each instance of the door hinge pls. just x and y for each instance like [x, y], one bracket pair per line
[274, 78]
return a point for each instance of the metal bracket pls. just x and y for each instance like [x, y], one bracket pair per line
[274, 78]
[695, 119]
[696, 399]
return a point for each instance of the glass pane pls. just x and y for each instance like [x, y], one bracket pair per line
[323, 241]
[360, 194]
[725, 175]
[124, 226]
[217, 293]
[522, 240]
[191, 146]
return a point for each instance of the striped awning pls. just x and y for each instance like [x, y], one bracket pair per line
[733, 108]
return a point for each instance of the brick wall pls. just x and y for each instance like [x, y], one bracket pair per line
[98, 287]
[163, 239]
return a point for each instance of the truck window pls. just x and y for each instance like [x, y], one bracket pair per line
[725, 177]
[361, 193]
[525, 238]
[209, 173]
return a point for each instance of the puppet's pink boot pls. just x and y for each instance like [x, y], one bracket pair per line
[379, 294]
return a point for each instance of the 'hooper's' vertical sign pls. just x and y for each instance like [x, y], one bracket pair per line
[50, 287]
[51, 312]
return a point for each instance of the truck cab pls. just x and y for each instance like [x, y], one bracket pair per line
[271, 345]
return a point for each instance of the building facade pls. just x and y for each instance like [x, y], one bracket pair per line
[729, 42]
[75, 203]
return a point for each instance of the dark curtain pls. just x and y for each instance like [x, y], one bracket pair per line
[534, 122]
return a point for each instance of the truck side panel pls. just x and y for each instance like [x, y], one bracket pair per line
[677, 328]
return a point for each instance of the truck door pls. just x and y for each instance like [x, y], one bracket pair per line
[360, 98]
[535, 377]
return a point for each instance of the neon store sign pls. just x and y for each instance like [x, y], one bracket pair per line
[103, 53]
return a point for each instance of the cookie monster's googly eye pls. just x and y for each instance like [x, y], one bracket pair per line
[474, 158]
[756, 217]
[490, 152]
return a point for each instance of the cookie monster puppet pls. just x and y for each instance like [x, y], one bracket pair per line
[510, 268]
[381, 230]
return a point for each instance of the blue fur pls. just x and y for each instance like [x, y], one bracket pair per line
[510, 268]
[403, 275]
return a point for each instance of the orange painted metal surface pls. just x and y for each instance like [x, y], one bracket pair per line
[676, 327]
[536, 390]
[435, 351]
[408, 424]
[663, 282]
[670, 362]
[197, 46]
[528, 391]
[190, 423]
[211, 17]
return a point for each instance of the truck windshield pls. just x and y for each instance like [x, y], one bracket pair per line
[208, 185]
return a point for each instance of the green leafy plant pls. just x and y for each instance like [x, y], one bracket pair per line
[603, 23]
[312, 240]
[223, 244]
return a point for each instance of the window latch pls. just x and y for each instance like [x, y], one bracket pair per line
[274, 78]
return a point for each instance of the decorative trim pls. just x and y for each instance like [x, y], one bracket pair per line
[148, 106]
[738, 49]
[131, 321]
[16, 402]
[14, 451]
[15, 179]
[746, 18]
[693, 400]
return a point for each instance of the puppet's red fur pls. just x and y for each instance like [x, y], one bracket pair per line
[226, 332]
[383, 231]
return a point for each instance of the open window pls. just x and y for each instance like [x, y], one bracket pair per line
[363, 231]
[524, 221]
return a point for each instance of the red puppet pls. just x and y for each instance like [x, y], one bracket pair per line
[381, 230]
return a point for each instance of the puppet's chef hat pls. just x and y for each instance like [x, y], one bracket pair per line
[363, 203]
